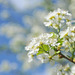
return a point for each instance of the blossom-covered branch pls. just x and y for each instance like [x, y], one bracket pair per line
[48, 46]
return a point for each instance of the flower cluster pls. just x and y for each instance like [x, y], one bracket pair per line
[41, 44]
[68, 36]
[58, 18]
[48, 46]
[62, 70]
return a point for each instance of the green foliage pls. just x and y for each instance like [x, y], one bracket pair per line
[46, 47]
[52, 47]
[43, 49]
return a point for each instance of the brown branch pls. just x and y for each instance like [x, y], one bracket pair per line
[63, 56]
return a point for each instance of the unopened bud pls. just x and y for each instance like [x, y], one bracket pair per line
[60, 56]
[50, 57]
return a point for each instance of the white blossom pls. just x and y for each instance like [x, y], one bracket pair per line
[64, 33]
[73, 70]
[57, 18]
[44, 58]
[35, 43]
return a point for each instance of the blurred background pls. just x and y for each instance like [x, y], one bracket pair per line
[20, 20]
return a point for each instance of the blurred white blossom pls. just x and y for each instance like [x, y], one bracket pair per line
[7, 66]
[36, 19]
[73, 70]
[22, 57]
[11, 29]
[59, 69]
[72, 8]
[17, 43]
[4, 14]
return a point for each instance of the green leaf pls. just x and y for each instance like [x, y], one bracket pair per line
[43, 49]
[40, 52]
[46, 47]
